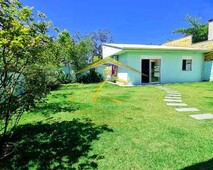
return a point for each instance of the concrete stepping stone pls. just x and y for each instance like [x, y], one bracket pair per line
[173, 100]
[176, 104]
[186, 109]
[202, 116]
[174, 95]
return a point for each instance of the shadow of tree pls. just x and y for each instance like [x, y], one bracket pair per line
[50, 108]
[207, 165]
[55, 146]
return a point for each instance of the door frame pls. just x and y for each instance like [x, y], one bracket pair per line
[150, 69]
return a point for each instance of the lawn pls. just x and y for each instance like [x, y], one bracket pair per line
[128, 128]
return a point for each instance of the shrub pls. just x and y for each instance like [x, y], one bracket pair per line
[90, 77]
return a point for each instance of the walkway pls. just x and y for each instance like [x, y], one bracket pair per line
[173, 99]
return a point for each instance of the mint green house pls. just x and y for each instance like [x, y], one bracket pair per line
[176, 61]
[160, 64]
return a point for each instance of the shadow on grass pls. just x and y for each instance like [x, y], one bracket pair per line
[50, 108]
[59, 145]
[207, 165]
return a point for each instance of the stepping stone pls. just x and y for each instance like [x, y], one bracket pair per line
[202, 116]
[171, 91]
[174, 95]
[173, 100]
[186, 109]
[176, 104]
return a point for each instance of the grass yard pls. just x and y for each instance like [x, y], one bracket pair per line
[128, 128]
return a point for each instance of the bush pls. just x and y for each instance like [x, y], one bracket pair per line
[91, 77]
[66, 78]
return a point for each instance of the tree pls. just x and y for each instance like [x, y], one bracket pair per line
[24, 63]
[198, 29]
[76, 50]
[99, 37]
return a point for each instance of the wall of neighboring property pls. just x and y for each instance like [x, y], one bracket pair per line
[67, 70]
[171, 66]
[101, 70]
[207, 45]
[182, 42]
[208, 70]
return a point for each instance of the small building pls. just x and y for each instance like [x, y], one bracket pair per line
[173, 62]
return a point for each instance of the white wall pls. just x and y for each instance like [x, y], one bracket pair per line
[109, 51]
[122, 72]
[171, 66]
[210, 31]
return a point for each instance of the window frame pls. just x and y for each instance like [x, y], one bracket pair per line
[185, 63]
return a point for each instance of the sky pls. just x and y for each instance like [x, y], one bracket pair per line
[130, 21]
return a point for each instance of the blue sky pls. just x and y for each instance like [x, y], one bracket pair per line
[130, 21]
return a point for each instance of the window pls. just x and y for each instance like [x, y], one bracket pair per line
[187, 65]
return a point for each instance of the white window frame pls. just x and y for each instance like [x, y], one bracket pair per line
[188, 64]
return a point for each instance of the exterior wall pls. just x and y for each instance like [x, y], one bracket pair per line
[122, 73]
[171, 66]
[182, 42]
[208, 71]
[109, 51]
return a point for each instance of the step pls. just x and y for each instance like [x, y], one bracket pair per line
[187, 109]
[176, 104]
[173, 100]
[202, 116]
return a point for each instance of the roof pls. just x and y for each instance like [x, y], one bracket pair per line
[153, 47]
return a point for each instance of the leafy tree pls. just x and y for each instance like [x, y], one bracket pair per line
[75, 50]
[24, 62]
[99, 37]
[198, 29]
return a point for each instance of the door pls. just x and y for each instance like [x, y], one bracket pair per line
[145, 70]
[151, 69]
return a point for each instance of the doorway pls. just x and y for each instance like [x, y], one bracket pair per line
[151, 69]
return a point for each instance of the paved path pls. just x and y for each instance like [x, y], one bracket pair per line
[173, 99]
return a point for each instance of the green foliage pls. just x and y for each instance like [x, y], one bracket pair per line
[76, 50]
[24, 62]
[198, 29]
[90, 77]
[66, 78]
[99, 37]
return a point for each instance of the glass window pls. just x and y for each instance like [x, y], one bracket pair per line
[187, 65]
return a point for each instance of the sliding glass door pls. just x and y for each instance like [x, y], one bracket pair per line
[155, 71]
[151, 69]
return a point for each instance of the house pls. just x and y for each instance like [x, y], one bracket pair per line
[172, 62]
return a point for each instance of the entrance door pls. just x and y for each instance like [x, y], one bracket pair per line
[151, 69]
[145, 70]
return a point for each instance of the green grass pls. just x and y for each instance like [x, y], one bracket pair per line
[128, 128]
